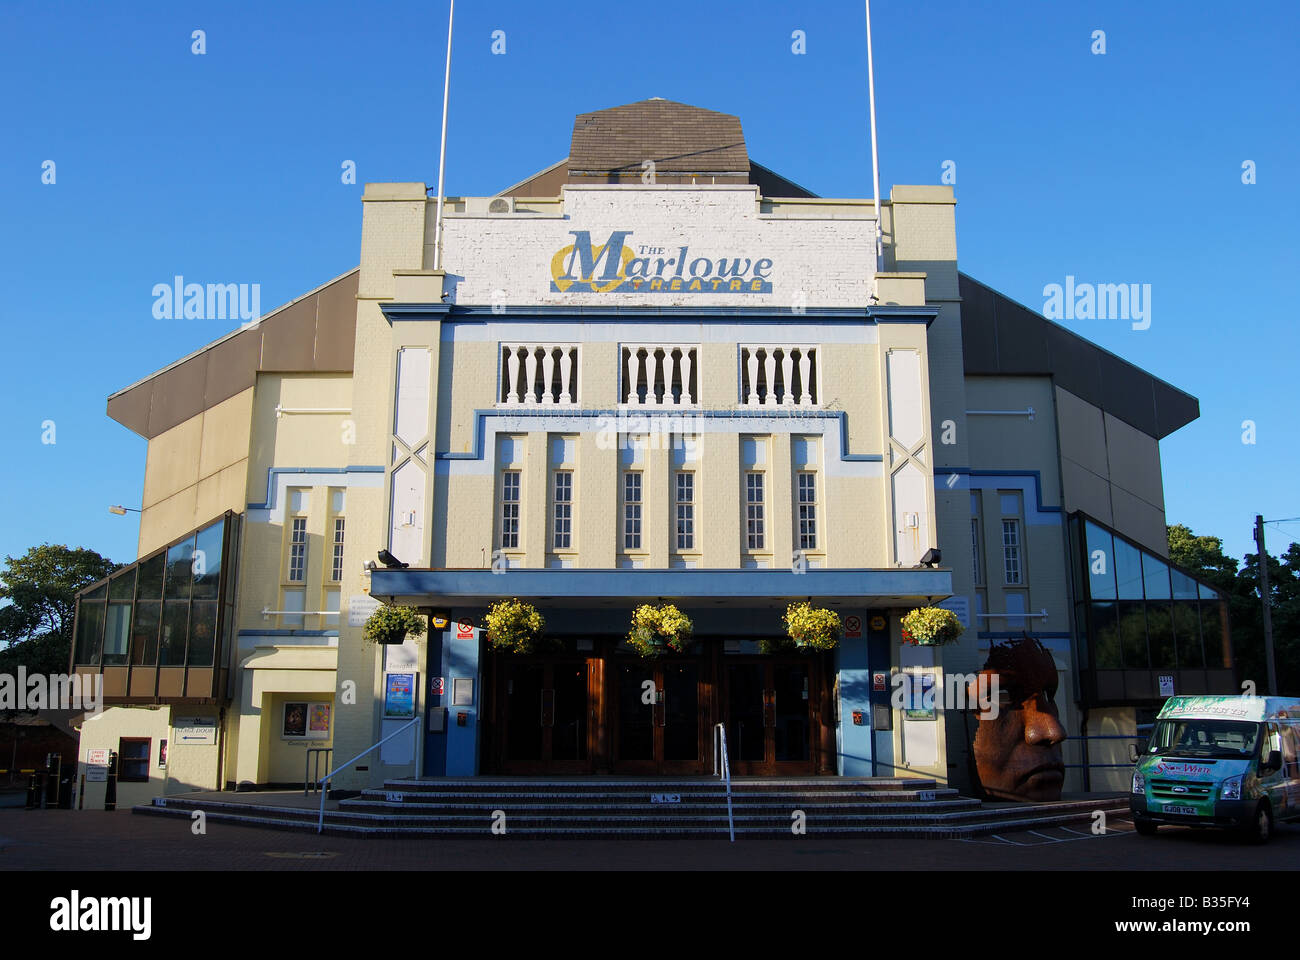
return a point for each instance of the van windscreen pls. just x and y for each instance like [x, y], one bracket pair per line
[1204, 738]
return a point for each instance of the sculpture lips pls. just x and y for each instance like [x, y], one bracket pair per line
[1046, 771]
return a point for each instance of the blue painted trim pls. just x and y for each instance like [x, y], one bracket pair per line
[478, 586]
[273, 472]
[480, 424]
[1035, 474]
[1011, 634]
[886, 313]
[288, 633]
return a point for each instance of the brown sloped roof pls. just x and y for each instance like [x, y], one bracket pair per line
[314, 334]
[679, 138]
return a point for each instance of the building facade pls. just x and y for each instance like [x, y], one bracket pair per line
[655, 371]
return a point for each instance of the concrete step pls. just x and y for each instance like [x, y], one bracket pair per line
[700, 796]
[953, 818]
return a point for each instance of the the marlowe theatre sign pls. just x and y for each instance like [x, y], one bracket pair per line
[617, 266]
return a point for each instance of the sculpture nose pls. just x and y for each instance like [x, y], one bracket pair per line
[1041, 723]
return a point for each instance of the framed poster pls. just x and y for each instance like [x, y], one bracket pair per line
[919, 696]
[318, 721]
[295, 720]
[399, 696]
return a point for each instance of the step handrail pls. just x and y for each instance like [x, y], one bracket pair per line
[313, 766]
[721, 738]
[320, 823]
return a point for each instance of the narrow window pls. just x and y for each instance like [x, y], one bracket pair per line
[685, 511]
[632, 511]
[754, 533]
[563, 509]
[298, 550]
[1011, 550]
[510, 510]
[336, 565]
[975, 548]
[807, 511]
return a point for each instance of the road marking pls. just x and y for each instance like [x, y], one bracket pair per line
[1110, 831]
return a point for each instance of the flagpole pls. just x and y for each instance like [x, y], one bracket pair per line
[875, 159]
[442, 153]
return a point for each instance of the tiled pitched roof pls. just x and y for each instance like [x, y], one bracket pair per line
[679, 138]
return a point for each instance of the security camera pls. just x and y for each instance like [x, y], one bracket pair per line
[390, 561]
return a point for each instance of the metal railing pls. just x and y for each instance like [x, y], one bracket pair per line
[324, 783]
[1088, 764]
[311, 774]
[720, 754]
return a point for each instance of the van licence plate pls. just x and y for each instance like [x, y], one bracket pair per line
[1176, 808]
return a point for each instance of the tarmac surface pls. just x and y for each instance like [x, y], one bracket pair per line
[92, 840]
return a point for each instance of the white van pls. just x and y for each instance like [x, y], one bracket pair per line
[1220, 762]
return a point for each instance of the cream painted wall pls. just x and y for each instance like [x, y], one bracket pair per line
[299, 440]
[196, 471]
[189, 767]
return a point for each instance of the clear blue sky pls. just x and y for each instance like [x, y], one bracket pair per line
[225, 167]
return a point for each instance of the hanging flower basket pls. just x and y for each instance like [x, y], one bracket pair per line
[389, 625]
[659, 630]
[513, 627]
[931, 626]
[812, 628]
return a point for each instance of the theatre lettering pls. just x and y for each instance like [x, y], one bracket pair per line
[647, 268]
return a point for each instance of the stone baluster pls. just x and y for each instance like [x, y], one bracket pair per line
[530, 374]
[512, 373]
[805, 367]
[548, 372]
[652, 373]
[687, 366]
[751, 364]
[769, 367]
[787, 376]
[566, 362]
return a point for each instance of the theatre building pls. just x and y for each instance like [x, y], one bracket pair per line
[623, 382]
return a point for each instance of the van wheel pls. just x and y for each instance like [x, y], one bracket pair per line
[1145, 827]
[1260, 828]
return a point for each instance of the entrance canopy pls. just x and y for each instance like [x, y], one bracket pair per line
[747, 589]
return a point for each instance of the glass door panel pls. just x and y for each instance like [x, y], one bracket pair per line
[569, 732]
[790, 690]
[635, 718]
[524, 712]
[681, 712]
[746, 734]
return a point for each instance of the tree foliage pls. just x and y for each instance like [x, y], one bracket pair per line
[1204, 557]
[39, 591]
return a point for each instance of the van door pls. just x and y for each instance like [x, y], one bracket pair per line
[1290, 737]
[1276, 783]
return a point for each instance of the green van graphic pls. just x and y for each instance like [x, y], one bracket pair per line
[1220, 762]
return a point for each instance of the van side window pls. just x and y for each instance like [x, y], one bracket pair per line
[1272, 740]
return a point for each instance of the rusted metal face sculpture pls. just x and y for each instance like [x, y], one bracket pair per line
[1017, 748]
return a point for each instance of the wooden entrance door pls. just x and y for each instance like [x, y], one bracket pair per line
[770, 709]
[543, 718]
[659, 716]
